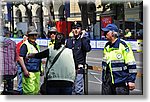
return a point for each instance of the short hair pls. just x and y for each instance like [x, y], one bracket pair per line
[59, 40]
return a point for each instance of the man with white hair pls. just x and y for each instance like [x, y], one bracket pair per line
[119, 66]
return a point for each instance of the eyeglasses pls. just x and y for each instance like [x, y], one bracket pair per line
[33, 35]
[76, 28]
[50, 33]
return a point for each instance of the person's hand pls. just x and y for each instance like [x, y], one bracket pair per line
[84, 34]
[43, 61]
[131, 85]
[31, 55]
[41, 73]
[26, 73]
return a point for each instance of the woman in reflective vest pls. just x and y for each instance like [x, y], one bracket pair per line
[31, 71]
[119, 66]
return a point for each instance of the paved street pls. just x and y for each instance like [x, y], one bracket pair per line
[94, 84]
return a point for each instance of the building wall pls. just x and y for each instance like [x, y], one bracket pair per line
[131, 14]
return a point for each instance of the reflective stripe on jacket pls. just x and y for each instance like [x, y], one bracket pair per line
[32, 64]
[119, 60]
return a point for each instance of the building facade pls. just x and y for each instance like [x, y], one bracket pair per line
[41, 13]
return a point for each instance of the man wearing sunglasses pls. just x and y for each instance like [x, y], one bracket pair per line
[51, 34]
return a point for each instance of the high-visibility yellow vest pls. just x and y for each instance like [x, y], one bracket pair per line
[50, 43]
[128, 35]
[32, 64]
[31, 84]
[120, 61]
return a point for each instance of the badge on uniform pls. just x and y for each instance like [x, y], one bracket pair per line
[119, 56]
[127, 49]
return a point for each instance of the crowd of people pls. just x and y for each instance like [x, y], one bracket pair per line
[64, 72]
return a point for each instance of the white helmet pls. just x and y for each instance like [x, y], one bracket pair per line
[53, 29]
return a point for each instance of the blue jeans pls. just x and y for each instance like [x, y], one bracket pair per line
[19, 88]
[78, 87]
[59, 90]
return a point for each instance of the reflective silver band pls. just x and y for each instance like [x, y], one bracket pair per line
[119, 68]
[131, 63]
[125, 67]
[104, 67]
[113, 61]
[132, 70]
[117, 61]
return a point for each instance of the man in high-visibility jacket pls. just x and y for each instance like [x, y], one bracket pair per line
[32, 67]
[127, 34]
[119, 66]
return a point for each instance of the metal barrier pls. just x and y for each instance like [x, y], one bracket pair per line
[95, 44]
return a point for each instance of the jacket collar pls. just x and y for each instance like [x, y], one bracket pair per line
[32, 43]
[115, 44]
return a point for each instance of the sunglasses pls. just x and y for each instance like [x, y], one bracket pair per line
[33, 35]
[76, 28]
[52, 33]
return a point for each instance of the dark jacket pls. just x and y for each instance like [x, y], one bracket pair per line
[80, 47]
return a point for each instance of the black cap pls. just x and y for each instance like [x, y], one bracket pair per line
[76, 25]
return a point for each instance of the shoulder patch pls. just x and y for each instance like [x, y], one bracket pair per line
[127, 49]
[125, 45]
